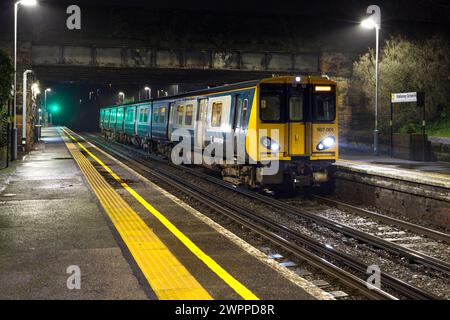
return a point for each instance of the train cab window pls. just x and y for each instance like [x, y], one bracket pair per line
[180, 113]
[270, 109]
[296, 110]
[324, 106]
[188, 115]
[216, 114]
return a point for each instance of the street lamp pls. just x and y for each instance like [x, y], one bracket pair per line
[24, 108]
[149, 92]
[14, 133]
[45, 103]
[374, 22]
[123, 96]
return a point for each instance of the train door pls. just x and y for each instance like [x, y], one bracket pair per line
[296, 121]
[171, 115]
[237, 119]
[200, 127]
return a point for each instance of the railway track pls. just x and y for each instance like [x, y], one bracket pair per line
[429, 233]
[296, 243]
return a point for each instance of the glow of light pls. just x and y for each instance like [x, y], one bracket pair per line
[323, 88]
[369, 23]
[274, 146]
[298, 78]
[147, 88]
[320, 146]
[328, 142]
[28, 2]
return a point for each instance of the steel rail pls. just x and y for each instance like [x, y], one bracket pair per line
[430, 233]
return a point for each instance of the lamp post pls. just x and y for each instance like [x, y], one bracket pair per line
[149, 92]
[24, 109]
[374, 22]
[45, 100]
[123, 96]
[14, 129]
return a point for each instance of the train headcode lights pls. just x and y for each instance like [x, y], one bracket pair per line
[326, 143]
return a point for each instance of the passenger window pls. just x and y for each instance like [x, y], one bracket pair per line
[156, 115]
[216, 116]
[162, 115]
[296, 108]
[180, 111]
[188, 115]
[144, 115]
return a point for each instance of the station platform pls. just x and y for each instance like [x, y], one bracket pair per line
[416, 191]
[68, 207]
[430, 173]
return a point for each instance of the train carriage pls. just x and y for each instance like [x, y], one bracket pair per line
[287, 121]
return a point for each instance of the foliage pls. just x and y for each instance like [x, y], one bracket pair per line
[408, 66]
[6, 76]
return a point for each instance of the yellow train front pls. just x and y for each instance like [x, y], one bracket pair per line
[293, 133]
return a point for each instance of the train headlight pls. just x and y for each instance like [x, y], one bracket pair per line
[270, 144]
[326, 143]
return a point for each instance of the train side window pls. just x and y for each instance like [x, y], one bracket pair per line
[156, 115]
[216, 115]
[129, 116]
[143, 116]
[188, 115]
[162, 115]
[179, 116]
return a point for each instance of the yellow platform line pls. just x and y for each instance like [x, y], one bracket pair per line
[169, 279]
[237, 286]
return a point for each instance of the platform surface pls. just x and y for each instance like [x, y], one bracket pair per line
[51, 218]
[431, 173]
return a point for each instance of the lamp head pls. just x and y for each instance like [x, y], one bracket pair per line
[147, 88]
[28, 2]
[369, 23]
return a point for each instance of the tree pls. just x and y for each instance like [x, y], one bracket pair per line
[407, 66]
[6, 76]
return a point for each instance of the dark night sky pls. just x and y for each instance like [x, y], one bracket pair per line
[336, 20]
[436, 11]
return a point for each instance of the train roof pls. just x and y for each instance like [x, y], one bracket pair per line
[235, 86]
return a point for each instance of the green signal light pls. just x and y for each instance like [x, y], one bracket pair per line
[55, 108]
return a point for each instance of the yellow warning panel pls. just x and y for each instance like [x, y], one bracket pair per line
[169, 279]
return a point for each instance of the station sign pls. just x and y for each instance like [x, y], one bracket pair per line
[404, 97]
